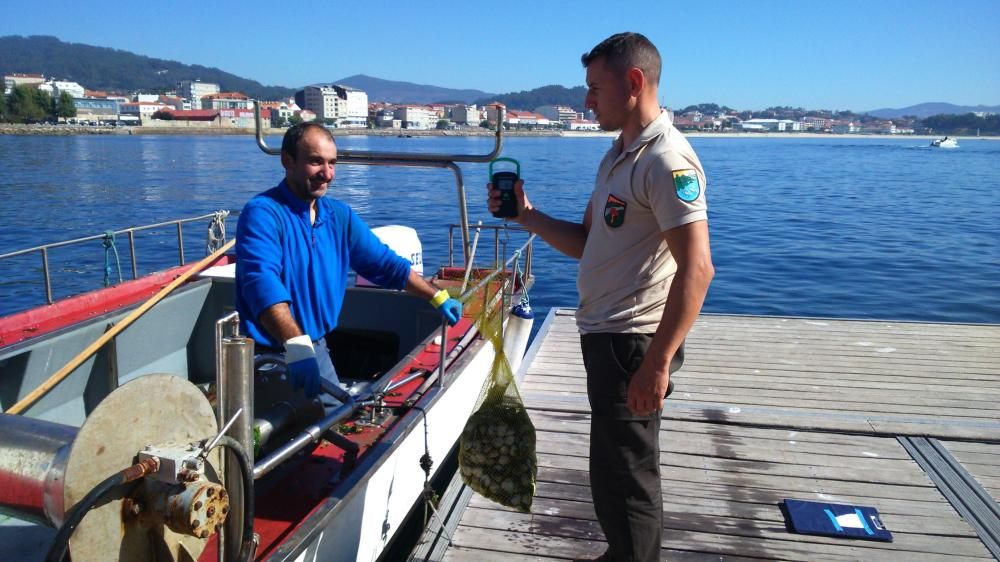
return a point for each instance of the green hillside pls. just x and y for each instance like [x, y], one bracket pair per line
[101, 68]
[546, 95]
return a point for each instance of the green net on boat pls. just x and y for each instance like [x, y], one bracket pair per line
[497, 449]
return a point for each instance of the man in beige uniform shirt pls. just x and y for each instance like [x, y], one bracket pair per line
[645, 267]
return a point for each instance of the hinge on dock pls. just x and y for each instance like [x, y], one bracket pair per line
[961, 489]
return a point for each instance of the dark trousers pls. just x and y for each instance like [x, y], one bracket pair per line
[624, 448]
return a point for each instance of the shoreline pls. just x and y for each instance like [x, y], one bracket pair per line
[17, 129]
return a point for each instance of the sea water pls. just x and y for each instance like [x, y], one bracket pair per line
[845, 227]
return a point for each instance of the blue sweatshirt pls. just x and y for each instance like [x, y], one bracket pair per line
[280, 257]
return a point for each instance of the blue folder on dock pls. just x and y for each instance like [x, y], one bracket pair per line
[834, 520]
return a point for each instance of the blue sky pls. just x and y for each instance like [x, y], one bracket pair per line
[749, 54]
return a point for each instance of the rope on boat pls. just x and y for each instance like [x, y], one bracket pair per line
[109, 249]
[216, 232]
[429, 496]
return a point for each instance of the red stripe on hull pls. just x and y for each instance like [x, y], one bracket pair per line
[66, 312]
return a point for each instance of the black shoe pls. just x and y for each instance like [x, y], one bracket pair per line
[670, 389]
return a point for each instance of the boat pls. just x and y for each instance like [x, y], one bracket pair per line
[165, 437]
[946, 142]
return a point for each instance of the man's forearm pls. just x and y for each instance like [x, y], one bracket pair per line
[416, 285]
[567, 237]
[279, 322]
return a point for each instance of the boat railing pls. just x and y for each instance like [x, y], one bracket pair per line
[217, 240]
[501, 235]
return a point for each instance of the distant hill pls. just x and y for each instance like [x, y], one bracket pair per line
[546, 95]
[390, 91]
[101, 68]
[923, 110]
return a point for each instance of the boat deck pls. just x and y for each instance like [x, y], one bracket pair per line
[904, 417]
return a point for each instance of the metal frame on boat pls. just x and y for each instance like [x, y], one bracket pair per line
[332, 484]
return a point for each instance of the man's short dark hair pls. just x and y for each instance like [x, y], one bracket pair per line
[623, 51]
[294, 134]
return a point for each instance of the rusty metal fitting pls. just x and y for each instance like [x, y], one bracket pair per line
[141, 468]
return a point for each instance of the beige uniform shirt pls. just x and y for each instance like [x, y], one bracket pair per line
[652, 186]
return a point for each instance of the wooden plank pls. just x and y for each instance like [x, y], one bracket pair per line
[673, 430]
[794, 418]
[760, 485]
[680, 491]
[567, 455]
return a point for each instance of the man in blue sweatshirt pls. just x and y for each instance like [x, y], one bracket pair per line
[293, 250]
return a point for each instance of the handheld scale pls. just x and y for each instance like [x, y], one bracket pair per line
[504, 182]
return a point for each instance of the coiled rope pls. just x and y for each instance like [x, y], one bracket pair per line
[109, 249]
[216, 232]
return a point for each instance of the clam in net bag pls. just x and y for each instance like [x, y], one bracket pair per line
[496, 455]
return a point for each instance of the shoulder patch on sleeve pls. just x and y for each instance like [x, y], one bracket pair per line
[686, 185]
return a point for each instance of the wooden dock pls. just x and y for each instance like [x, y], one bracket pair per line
[765, 408]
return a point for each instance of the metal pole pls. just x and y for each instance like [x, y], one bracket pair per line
[180, 241]
[45, 272]
[451, 250]
[131, 248]
[235, 392]
[463, 211]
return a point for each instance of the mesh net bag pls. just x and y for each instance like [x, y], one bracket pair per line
[497, 449]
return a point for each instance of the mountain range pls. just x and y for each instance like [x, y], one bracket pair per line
[924, 110]
[102, 68]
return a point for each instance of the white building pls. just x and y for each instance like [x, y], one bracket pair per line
[226, 100]
[355, 107]
[771, 125]
[18, 79]
[194, 90]
[343, 105]
[55, 88]
[415, 117]
[560, 113]
[465, 115]
[582, 125]
[141, 109]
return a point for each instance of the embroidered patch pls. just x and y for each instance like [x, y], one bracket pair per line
[686, 185]
[614, 211]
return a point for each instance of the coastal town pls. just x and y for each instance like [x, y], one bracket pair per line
[194, 104]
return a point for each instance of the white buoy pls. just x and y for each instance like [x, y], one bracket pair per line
[515, 341]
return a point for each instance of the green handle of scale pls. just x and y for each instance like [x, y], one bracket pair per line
[515, 162]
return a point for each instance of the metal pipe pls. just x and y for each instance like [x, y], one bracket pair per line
[412, 376]
[101, 236]
[33, 455]
[180, 241]
[131, 249]
[236, 392]
[365, 157]
[451, 249]
[45, 272]
[471, 258]
[308, 435]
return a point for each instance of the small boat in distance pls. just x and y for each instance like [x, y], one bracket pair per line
[946, 142]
